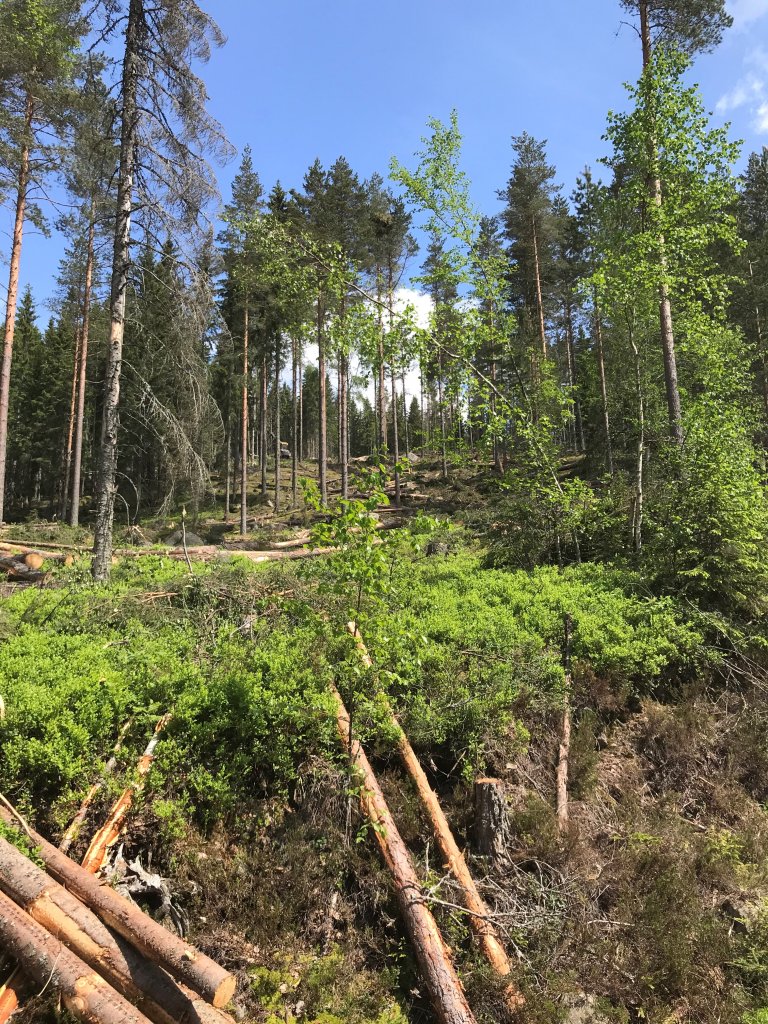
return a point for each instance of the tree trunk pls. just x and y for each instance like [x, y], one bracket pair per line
[441, 404]
[47, 961]
[603, 384]
[395, 439]
[295, 443]
[322, 432]
[665, 306]
[445, 990]
[539, 296]
[151, 939]
[244, 412]
[227, 474]
[263, 418]
[13, 293]
[67, 462]
[565, 735]
[344, 423]
[382, 388]
[760, 342]
[573, 372]
[479, 914]
[107, 469]
[277, 425]
[491, 825]
[77, 454]
[637, 516]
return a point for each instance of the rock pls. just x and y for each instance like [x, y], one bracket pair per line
[176, 540]
[437, 547]
[581, 1008]
[740, 912]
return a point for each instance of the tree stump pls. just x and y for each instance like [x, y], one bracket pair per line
[491, 823]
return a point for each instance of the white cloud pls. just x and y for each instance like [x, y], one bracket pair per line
[751, 91]
[746, 11]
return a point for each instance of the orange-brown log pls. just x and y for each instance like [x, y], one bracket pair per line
[70, 921]
[11, 994]
[478, 911]
[76, 824]
[48, 962]
[109, 833]
[156, 943]
[446, 993]
[15, 567]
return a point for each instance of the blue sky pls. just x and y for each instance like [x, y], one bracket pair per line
[299, 80]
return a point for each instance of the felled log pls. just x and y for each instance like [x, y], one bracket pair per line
[47, 961]
[70, 921]
[478, 911]
[77, 822]
[446, 993]
[109, 833]
[11, 995]
[156, 943]
[564, 749]
[23, 568]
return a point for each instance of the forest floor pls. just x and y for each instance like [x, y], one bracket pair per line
[652, 905]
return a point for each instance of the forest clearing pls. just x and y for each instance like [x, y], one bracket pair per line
[383, 572]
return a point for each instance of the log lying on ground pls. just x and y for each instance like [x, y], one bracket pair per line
[70, 921]
[23, 568]
[77, 822]
[109, 833]
[447, 995]
[11, 995]
[158, 945]
[479, 913]
[47, 961]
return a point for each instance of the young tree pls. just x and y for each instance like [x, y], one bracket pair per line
[164, 132]
[39, 61]
[689, 26]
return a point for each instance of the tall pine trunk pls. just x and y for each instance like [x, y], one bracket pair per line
[539, 297]
[603, 384]
[295, 416]
[244, 430]
[263, 414]
[277, 424]
[322, 430]
[674, 408]
[107, 471]
[77, 452]
[66, 468]
[13, 294]
[574, 377]
[395, 438]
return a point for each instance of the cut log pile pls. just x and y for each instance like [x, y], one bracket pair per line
[109, 962]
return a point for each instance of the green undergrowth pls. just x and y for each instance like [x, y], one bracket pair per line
[250, 806]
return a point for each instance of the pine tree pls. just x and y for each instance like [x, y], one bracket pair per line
[39, 42]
